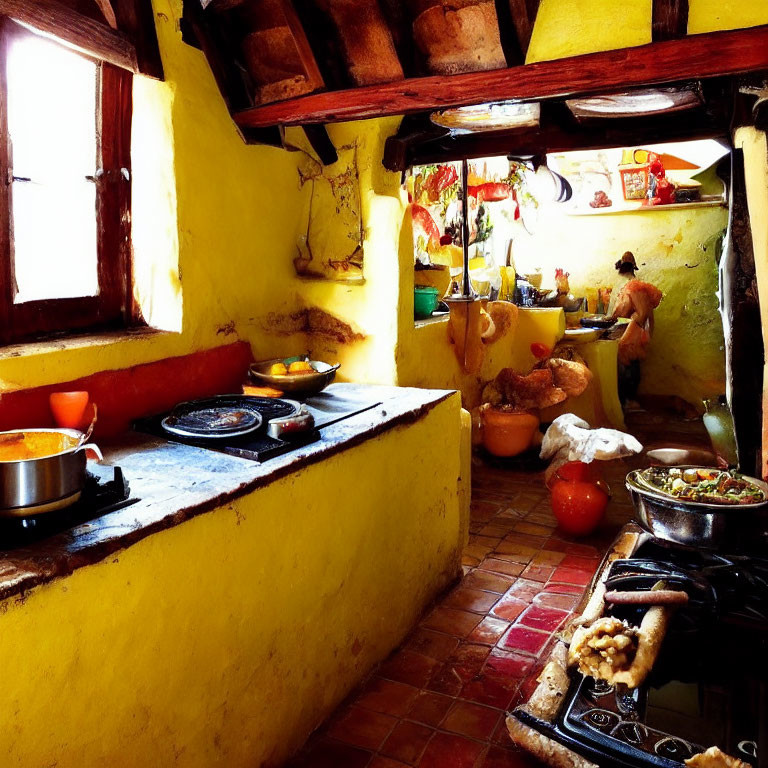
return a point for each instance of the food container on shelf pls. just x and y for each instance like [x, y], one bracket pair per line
[425, 300]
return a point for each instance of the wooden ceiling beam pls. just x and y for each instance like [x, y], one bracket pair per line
[670, 19]
[694, 57]
[523, 17]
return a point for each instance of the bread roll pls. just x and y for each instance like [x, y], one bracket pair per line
[459, 37]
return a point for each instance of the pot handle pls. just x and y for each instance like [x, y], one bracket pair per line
[92, 451]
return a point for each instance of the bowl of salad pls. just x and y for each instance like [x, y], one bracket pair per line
[700, 506]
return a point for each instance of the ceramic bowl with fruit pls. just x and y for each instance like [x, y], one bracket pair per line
[297, 376]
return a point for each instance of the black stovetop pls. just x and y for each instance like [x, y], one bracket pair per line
[105, 490]
[256, 446]
[709, 685]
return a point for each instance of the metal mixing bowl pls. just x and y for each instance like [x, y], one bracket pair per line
[697, 524]
[301, 385]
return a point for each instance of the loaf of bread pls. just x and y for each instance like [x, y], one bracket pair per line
[459, 36]
[365, 41]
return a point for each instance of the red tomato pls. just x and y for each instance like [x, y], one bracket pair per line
[578, 505]
[540, 351]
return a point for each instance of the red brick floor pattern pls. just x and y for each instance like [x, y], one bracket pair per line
[441, 699]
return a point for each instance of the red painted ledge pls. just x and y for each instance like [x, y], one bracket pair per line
[130, 393]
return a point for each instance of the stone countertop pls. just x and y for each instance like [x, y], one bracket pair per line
[175, 482]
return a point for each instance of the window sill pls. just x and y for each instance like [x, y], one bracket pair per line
[81, 341]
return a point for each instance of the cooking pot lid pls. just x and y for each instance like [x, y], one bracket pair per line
[211, 418]
[225, 416]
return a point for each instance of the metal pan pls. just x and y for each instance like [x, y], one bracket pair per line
[697, 524]
[36, 485]
[220, 417]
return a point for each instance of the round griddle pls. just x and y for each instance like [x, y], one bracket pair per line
[224, 416]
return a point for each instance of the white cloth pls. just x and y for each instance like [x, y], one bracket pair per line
[570, 438]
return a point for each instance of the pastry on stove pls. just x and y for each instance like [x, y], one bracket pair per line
[714, 757]
[615, 651]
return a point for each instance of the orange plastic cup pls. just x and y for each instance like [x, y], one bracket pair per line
[70, 409]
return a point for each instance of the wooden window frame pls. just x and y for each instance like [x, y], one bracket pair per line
[113, 306]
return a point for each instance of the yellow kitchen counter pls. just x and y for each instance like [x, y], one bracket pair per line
[221, 618]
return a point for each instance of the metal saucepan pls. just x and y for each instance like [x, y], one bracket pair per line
[697, 524]
[41, 470]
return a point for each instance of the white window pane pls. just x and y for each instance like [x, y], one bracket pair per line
[55, 243]
[52, 125]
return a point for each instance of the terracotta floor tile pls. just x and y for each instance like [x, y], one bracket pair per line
[554, 600]
[540, 573]
[500, 735]
[513, 665]
[501, 566]
[387, 696]
[518, 553]
[564, 589]
[468, 660]
[546, 557]
[467, 599]
[469, 561]
[490, 582]
[436, 645]
[497, 757]
[542, 617]
[534, 529]
[473, 720]
[509, 608]
[525, 539]
[446, 681]
[488, 631]
[384, 762]
[485, 541]
[448, 751]
[451, 621]
[525, 590]
[571, 576]
[327, 753]
[524, 639]
[407, 742]
[491, 688]
[362, 728]
[588, 564]
[557, 544]
[409, 668]
[430, 708]
[495, 530]
[478, 551]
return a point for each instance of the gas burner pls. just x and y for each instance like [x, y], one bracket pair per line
[105, 491]
[709, 685]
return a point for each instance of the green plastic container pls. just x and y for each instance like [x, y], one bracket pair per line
[424, 301]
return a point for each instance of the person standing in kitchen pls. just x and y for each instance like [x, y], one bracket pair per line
[635, 300]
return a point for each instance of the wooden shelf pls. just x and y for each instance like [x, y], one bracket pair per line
[649, 208]
[691, 58]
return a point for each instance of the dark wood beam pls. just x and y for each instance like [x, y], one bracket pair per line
[80, 32]
[137, 20]
[670, 19]
[694, 57]
[523, 17]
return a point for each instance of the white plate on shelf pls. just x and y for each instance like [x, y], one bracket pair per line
[582, 335]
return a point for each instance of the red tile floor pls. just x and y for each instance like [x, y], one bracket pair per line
[440, 700]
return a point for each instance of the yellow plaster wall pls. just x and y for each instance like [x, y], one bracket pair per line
[676, 251]
[225, 640]
[575, 27]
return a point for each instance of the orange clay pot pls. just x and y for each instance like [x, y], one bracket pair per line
[508, 433]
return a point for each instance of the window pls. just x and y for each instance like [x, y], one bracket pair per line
[65, 121]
